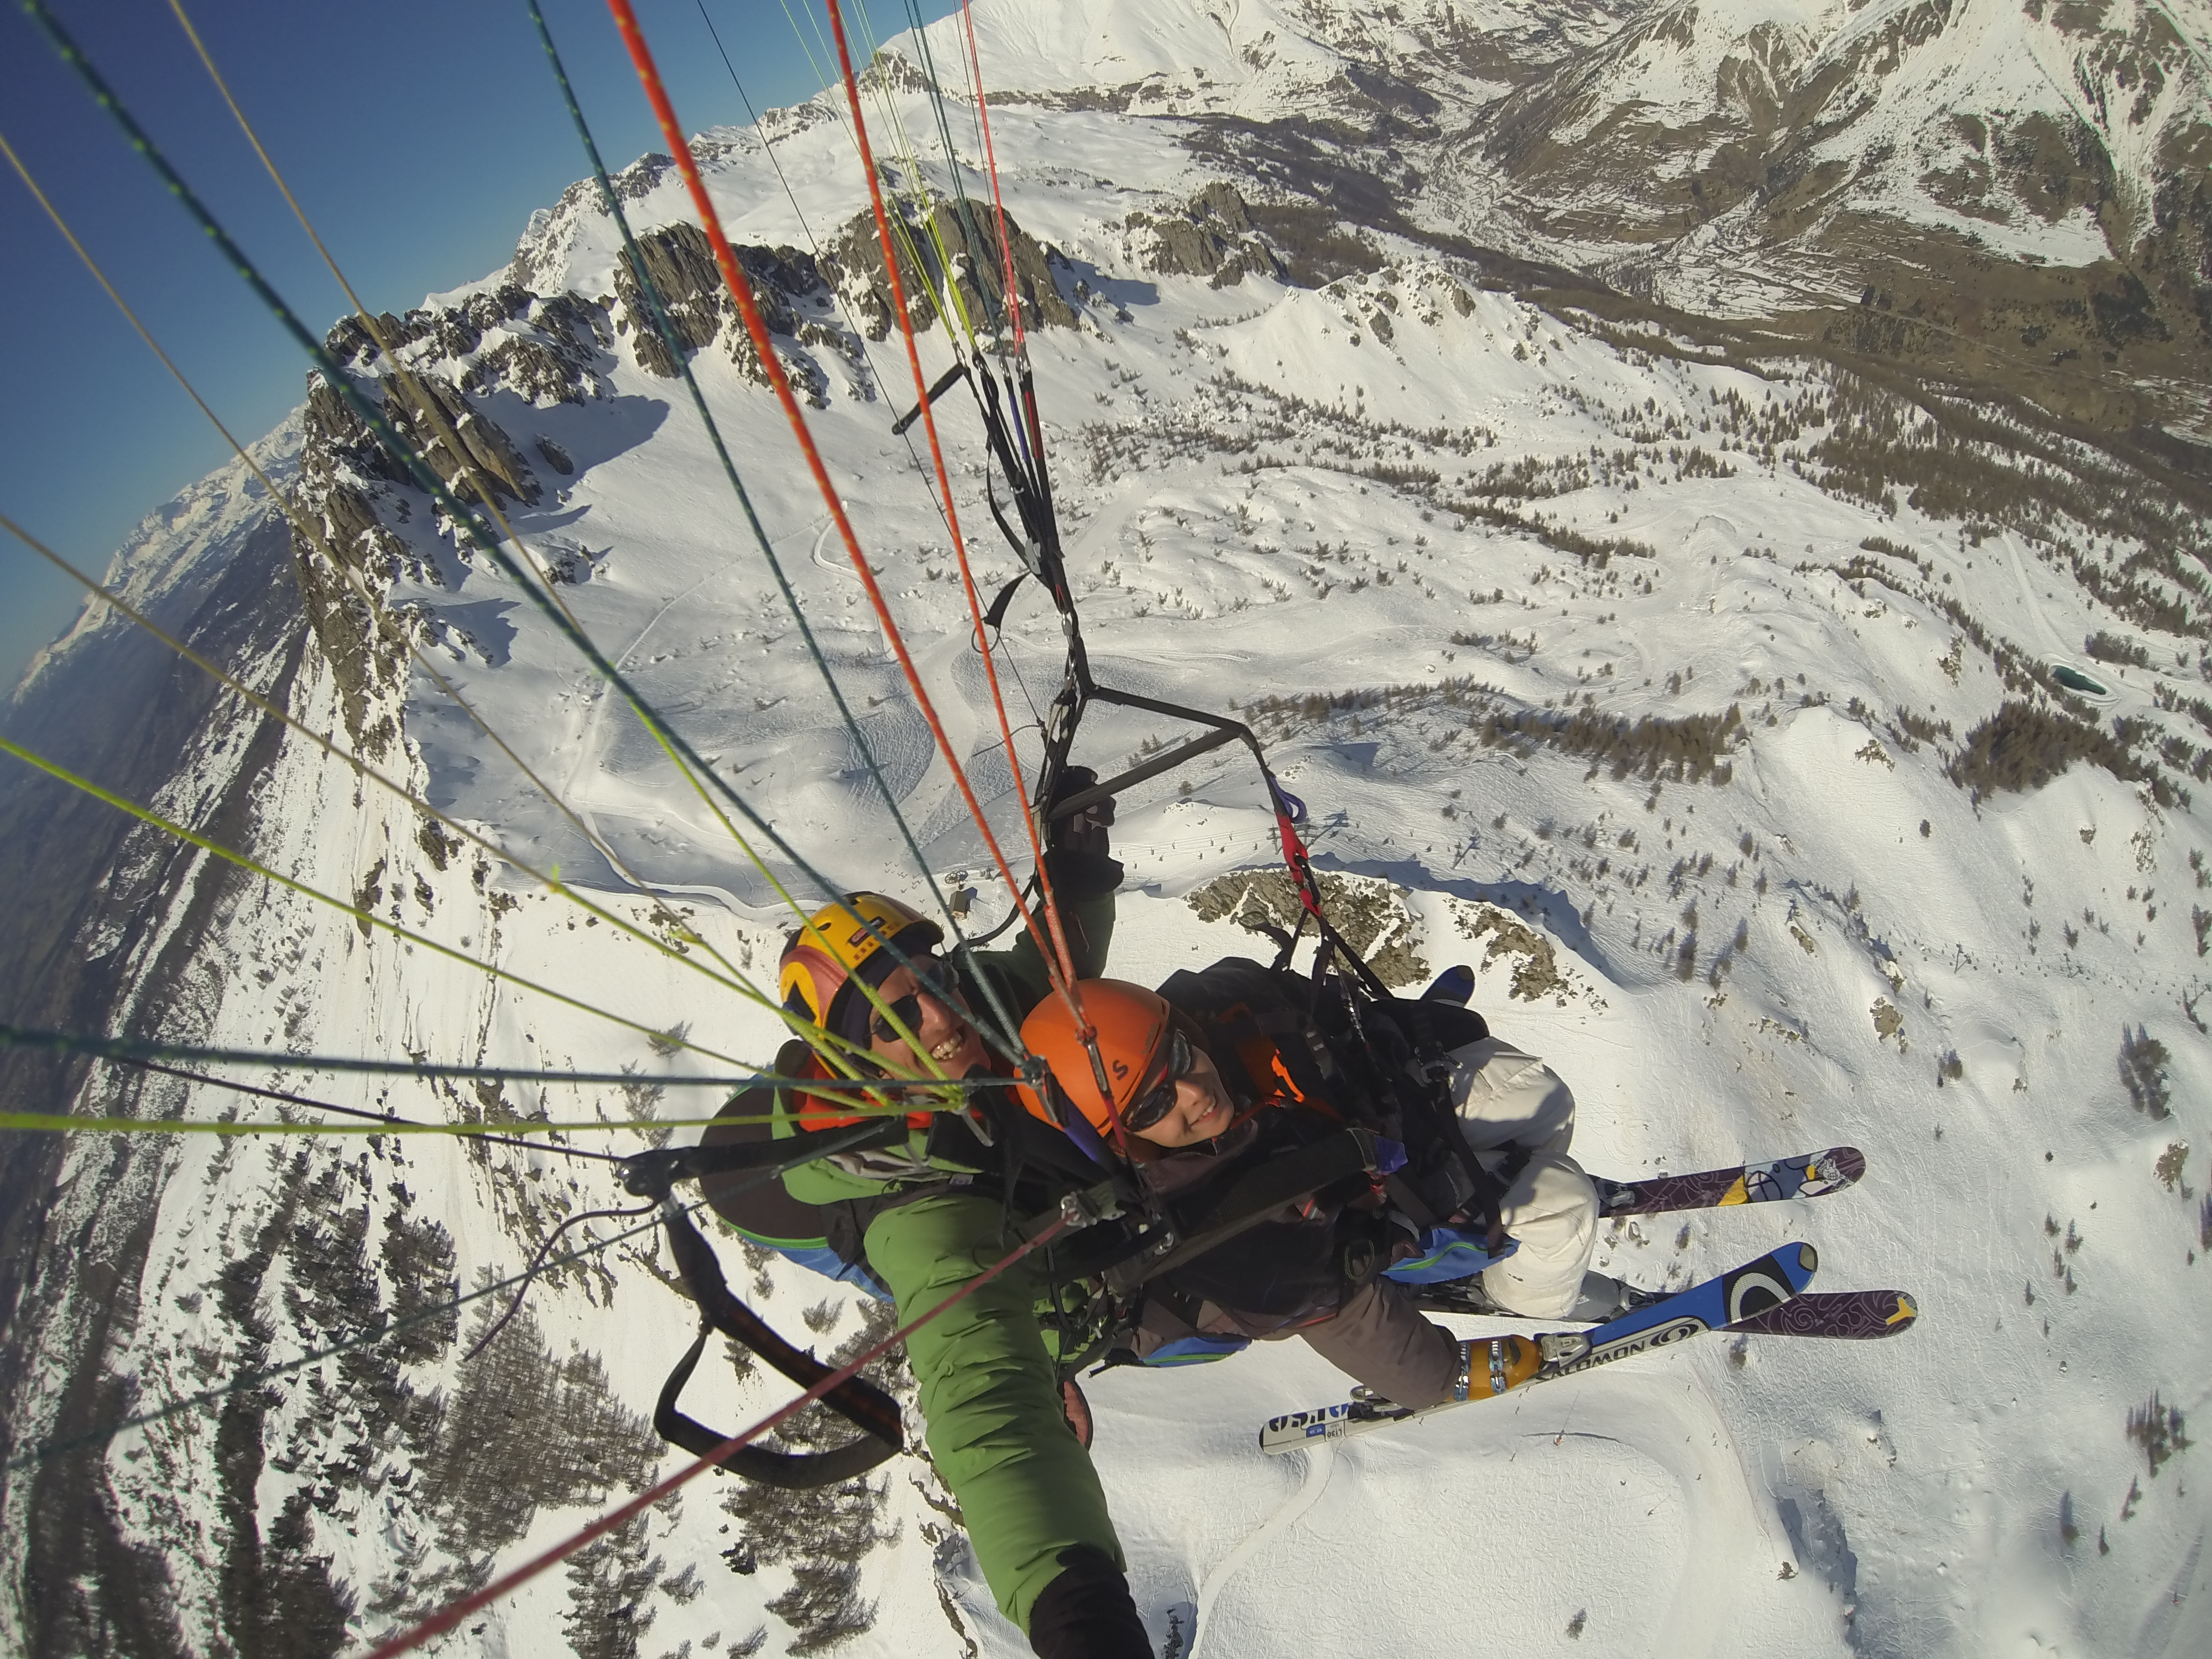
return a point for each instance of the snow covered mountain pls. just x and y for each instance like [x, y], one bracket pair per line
[1965, 168]
[2015, 193]
[1803, 746]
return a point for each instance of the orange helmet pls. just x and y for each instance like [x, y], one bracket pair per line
[1133, 1027]
[844, 942]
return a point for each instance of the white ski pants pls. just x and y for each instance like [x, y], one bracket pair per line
[1508, 1099]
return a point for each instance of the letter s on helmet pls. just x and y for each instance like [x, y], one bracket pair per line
[1132, 1024]
[843, 942]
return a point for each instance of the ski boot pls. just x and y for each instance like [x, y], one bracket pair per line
[1604, 1298]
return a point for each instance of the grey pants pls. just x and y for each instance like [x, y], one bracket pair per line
[1505, 1099]
[1380, 1338]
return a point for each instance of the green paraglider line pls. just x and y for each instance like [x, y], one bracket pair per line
[131, 1050]
[361, 914]
[424, 477]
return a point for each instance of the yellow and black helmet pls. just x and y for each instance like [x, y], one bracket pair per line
[840, 944]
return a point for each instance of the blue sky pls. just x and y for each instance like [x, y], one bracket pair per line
[419, 136]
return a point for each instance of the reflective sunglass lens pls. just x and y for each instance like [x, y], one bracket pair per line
[1156, 1103]
[936, 978]
[907, 1010]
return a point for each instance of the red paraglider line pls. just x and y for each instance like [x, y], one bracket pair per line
[741, 291]
[446, 1617]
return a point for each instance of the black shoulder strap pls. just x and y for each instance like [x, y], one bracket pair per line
[859, 1402]
[1432, 1030]
[1237, 1000]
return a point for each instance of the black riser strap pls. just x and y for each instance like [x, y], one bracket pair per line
[996, 616]
[651, 1174]
[945, 383]
[793, 1471]
[859, 1402]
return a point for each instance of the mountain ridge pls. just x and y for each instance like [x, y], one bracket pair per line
[1704, 674]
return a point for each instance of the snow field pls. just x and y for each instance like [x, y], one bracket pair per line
[1904, 1498]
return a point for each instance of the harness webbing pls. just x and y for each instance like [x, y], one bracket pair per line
[859, 1402]
[450, 1616]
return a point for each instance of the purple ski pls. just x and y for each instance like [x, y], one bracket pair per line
[1807, 1175]
[1854, 1315]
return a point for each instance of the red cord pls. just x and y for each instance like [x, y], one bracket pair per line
[741, 290]
[444, 1621]
[991, 158]
[1065, 975]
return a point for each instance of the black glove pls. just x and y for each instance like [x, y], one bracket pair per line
[1084, 831]
[1087, 1611]
[1078, 858]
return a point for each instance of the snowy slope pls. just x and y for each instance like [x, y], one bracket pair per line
[1478, 513]
[1769, 123]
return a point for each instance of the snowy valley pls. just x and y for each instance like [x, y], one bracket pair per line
[1699, 606]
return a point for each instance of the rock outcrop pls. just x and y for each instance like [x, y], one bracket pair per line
[956, 245]
[1213, 236]
[788, 290]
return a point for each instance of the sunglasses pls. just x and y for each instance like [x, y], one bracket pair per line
[935, 978]
[1155, 1102]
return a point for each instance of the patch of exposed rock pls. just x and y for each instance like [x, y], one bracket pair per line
[1536, 973]
[1212, 235]
[1372, 915]
[958, 246]
[788, 290]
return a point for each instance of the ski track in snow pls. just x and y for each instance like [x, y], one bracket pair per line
[1319, 1464]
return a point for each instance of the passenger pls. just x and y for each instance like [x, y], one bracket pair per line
[1206, 1089]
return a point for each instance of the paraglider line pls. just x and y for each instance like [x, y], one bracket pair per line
[768, 149]
[1013, 301]
[447, 1617]
[106, 1048]
[360, 913]
[741, 291]
[423, 476]
[1004, 1038]
[1064, 977]
[353, 1111]
[367, 1339]
[307, 526]
[360, 767]
[529, 1274]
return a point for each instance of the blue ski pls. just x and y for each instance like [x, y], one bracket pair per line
[1515, 1362]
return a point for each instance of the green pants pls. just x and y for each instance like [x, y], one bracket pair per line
[990, 1394]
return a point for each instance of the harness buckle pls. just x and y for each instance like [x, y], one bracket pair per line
[1088, 1207]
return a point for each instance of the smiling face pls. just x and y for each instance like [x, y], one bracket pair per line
[953, 1046]
[1202, 1107]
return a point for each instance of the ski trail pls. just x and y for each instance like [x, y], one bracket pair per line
[590, 744]
[1682, 1428]
[2016, 561]
[1320, 1461]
